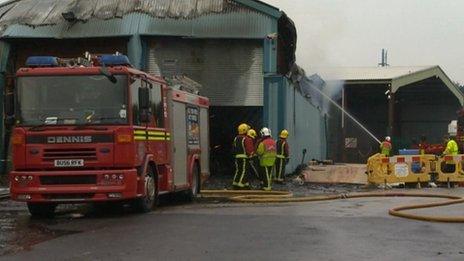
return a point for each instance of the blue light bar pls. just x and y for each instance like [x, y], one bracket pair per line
[111, 60]
[42, 61]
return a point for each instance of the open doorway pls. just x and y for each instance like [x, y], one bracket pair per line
[223, 129]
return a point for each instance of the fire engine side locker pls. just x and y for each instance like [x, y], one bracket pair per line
[204, 141]
[179, 139]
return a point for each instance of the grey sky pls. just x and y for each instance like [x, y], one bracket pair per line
[353, 32]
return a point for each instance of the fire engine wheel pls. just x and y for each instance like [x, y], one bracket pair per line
[195, 186]
[148, 202]
[41, 210]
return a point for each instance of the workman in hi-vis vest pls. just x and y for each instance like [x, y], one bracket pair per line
[282, 156]
[243, 148]
[267, 155]
[386, 146]
[452, 149]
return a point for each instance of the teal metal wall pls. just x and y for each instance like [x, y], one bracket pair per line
[286, 108]
[306, 126]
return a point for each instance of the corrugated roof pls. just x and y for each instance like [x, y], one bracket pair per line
[49, 12]
[396, 76]
[98, 18]
[369, 73]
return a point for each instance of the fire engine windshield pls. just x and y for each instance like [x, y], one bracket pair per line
[69, 100]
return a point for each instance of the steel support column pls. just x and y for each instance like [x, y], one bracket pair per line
[391, 115]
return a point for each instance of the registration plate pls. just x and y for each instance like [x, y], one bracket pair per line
[69, 163]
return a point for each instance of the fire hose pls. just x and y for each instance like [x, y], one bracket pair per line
[258, 196]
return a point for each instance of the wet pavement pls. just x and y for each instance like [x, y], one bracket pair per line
[224, 182]
[19, 232]
[358, 229]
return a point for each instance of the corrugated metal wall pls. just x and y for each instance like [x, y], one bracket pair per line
[288, 109]
[305, 124]
[230, 71]
[425, 108]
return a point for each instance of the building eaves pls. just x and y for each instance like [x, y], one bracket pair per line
[434, 71]
[369, 73]
[395, 76]
[261, 7]
[230, 25]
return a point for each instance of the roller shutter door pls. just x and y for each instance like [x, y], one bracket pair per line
[230, 71]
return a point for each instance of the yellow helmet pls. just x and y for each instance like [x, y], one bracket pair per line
[284, 134]
[252, 134]
[243, 128]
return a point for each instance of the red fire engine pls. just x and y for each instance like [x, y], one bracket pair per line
[95, 129]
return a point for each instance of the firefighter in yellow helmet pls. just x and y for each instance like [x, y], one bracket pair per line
[253, 158]
[283, 155]
[242, 149]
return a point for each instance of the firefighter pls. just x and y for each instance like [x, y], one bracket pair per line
[242, 148]
[267, 155]
[252, 159]
[282, 156]
[386, 146]
[451, 150]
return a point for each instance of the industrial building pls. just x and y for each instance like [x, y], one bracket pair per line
[240, 51]
[403, 102]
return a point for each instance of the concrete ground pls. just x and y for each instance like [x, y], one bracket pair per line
[350, 229]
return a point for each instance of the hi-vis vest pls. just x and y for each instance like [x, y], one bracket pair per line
[239, 147]
[385, 148]
[452, 148]
[267, 152]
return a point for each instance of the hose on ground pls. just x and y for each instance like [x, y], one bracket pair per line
[258, 196]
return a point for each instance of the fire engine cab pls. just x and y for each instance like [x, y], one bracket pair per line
[95, 129]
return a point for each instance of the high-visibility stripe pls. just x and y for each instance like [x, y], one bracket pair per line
[140, 132]
[151, 135]
[157, 133]
[156, 138]
[236, 172]
[243, 172]
[279, 175]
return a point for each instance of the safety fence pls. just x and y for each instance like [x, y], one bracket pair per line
[415, 169]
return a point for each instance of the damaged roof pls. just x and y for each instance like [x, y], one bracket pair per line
[49, 12]
[101, 18]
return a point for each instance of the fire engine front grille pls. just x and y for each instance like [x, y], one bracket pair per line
[76, 197]
[68, 180]
[78, 153]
